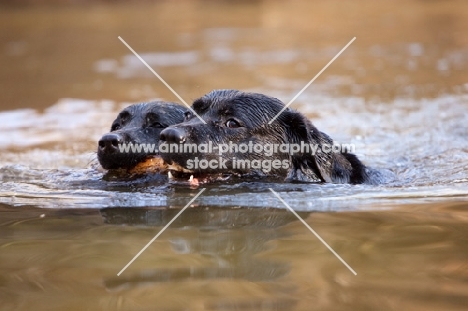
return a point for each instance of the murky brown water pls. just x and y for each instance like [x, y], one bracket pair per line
[399, 93]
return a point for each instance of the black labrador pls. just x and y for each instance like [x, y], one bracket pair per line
[137, 126]
[237, 139]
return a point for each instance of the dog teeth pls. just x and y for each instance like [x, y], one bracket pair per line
[169, 175]
[191, 178]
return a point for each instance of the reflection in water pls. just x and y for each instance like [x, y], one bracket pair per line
[228, 239]
[413, 257]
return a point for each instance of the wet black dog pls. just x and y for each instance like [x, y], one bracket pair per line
[235, 118]
[137, 124]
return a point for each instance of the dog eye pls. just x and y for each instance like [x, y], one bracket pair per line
[156, 125]
[151, 123]
[231, 123]
[124, 116]
[115, 127]
[188, 115]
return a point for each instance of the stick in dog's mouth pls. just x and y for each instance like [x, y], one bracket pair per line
[153, 164]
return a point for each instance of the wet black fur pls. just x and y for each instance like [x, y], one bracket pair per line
[138, 124]
[252, 112]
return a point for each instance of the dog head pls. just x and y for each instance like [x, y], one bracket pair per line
[242, 119]
[139, 124]
[234, 118]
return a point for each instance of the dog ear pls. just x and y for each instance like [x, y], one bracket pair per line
[304, 166]
[313, 163]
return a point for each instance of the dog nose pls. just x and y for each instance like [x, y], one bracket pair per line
[172, 135]
[109, 142]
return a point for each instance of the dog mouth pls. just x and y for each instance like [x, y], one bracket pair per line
[179, 175]
[153, 164]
